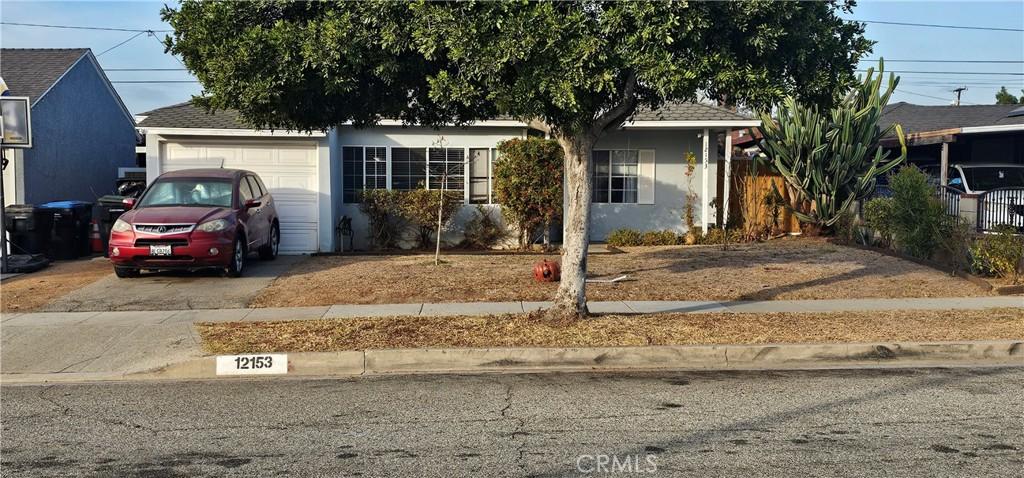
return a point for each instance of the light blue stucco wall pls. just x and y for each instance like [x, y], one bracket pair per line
[670, 147]
[80, 137]
[670, 185]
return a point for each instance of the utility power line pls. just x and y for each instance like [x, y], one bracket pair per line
[155, 81]
[875, 60]
[932, 25]
[122, 43]
[145, 69]
[930, 96]
[78, 27]
[952, 72]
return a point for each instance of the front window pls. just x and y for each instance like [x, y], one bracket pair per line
[188, 192]
[364, 168]
[988, 178]
[615, 176]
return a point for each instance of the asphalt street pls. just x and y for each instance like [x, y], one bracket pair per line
[927, 422]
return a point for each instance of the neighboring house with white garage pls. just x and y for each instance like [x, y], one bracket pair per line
[639, 179]
[81, 131]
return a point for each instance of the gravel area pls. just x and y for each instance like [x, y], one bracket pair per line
[790, 268]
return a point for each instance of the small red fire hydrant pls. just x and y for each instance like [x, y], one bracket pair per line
[547, 271]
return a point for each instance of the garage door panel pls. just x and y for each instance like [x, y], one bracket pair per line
[298, 240]
[289, 172]
[297, 157]
[296, 212]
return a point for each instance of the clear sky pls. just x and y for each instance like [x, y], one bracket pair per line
[894, 43]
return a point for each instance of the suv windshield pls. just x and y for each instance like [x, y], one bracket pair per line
[188, 192]
[992, 177]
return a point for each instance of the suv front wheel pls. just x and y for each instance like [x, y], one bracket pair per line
[237, 263]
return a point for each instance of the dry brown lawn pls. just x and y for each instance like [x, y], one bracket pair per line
[28, 292]
[525, 330]
[791, 268]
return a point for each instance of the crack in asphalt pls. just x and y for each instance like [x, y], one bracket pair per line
[518, 431]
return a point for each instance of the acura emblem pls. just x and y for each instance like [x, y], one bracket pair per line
[161, 229]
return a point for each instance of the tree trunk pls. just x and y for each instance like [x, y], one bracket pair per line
[571, 299]
[440, 215]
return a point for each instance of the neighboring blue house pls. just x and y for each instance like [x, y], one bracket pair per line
[81, 131]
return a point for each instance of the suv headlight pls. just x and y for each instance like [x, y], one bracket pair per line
[213, 226]
[121, 226]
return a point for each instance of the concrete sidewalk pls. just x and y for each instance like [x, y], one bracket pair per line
[179, 317]
[131, 341]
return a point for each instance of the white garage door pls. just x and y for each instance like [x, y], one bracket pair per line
[288, 169]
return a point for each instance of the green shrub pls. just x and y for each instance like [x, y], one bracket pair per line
[917, 215]
[482, 232]
[955, 241]
[528, 184]
[633, 237]
[878, 215]
[420, 208]
[714, 236]
[998, 254]
[659, 238]
[382, 208]
[625, 238]
[845, 229]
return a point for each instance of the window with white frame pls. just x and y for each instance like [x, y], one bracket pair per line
[408, 168]
[481, 175]
[615, 176]
[363, 168]
[448, 164]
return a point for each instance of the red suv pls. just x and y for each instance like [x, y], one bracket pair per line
[196, 219]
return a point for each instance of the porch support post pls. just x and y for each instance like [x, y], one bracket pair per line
[705, 208]
[944, 165]
[727, 183]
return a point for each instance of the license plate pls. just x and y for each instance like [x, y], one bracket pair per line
[160, 250]
[262, 364]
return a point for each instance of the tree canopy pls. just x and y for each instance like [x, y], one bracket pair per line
[312, 65]
[575, 70]
[1004, 97]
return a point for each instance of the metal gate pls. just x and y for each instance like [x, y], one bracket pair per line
[950, 197]
[1001, 206]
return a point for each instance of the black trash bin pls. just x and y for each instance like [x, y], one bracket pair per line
[29, 228]
[105, 212]
[71, 220]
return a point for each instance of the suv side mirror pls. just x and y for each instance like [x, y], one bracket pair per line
[251, 203]
[129, 203]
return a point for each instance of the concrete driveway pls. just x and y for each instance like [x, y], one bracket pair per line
[174, 290]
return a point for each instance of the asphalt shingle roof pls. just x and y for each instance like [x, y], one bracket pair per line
[687, 112]
[32, 71]
[919, 118]
[185, 115]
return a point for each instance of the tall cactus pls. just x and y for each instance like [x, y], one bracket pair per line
[829, 162]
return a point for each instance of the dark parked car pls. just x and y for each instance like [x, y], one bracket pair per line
[196, 219]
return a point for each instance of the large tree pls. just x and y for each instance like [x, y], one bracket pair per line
[575, 70]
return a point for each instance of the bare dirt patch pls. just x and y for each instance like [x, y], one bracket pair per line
[793, 268]
[526, 330]
[29, 292]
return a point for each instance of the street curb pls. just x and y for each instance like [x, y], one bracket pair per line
[651, 358]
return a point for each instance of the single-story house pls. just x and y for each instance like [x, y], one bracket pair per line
[316, 178]
[945, 135]
[81, 130]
